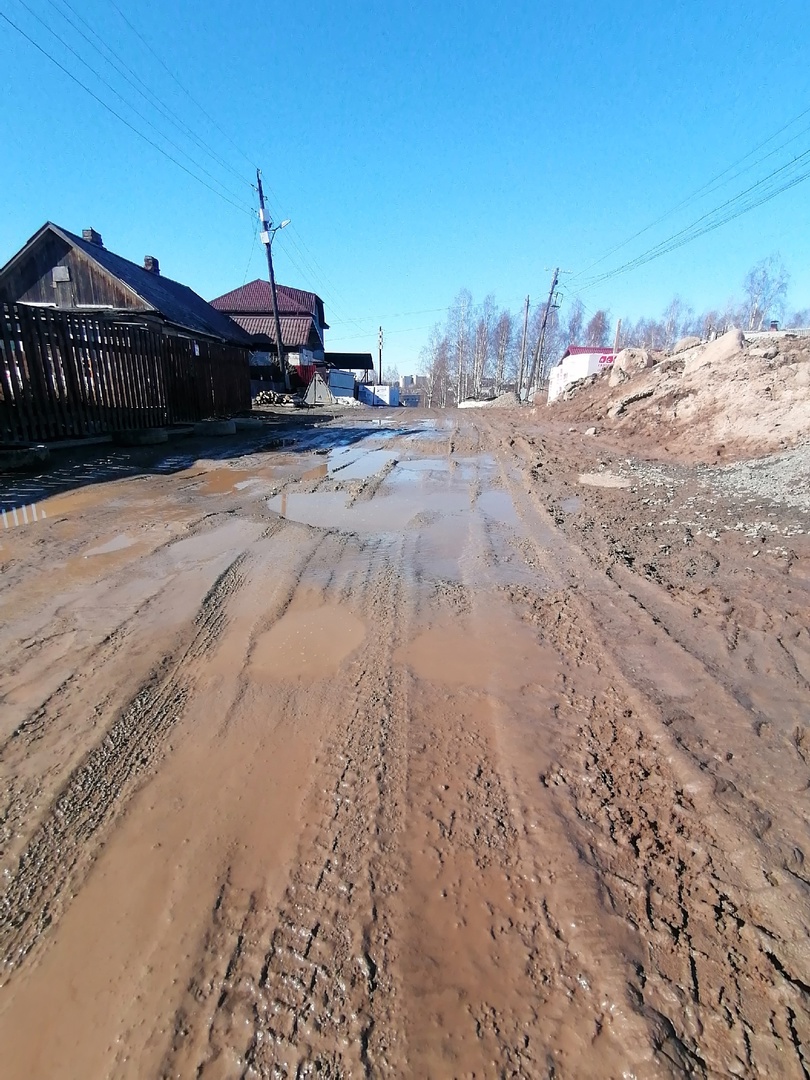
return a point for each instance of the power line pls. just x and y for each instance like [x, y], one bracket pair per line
[693, 231]
[118, 116]
[188, 94]
[708, 187]
[141, 87]
[402, 330]
[325, 286]
[252, 250]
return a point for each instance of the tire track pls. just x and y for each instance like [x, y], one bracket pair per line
[63, 846]
[303, 987]
[718, 1000]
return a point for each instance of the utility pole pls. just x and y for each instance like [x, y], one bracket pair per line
[616, 339]
[539, 350]
[522, 369]
[380, 354]
[267, 235]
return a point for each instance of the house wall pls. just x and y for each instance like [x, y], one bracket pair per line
[32, 281]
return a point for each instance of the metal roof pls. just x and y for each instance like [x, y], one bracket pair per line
[296, 330]
[581, 350]
[255, 298]
[349, 361]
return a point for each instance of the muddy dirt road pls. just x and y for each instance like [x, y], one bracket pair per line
[438, 747]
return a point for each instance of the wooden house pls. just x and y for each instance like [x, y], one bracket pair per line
[92, 343]
[61, 270]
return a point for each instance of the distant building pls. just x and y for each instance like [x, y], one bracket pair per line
[301, 317]
[360, 364]
[577, 362]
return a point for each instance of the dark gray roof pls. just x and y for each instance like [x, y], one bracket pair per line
[177, 303]
[349, 361]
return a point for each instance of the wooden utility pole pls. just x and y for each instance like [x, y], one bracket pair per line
[539, 350]
[522, 369]
[267, 234]
[380, 354]
[616, 339]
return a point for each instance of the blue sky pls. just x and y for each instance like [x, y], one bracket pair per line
[418, 148]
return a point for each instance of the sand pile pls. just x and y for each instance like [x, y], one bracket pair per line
[723, 398]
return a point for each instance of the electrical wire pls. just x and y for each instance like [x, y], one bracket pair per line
[141, 87]
[708, 187]
[252, 250]
[121, 97]
[324, 286]
[695, 230]
[188, 94]
[118, 115]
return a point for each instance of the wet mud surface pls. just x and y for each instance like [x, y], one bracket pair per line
[443, 746]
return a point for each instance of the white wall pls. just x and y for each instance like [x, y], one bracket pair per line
[577, 367]
[379, 395]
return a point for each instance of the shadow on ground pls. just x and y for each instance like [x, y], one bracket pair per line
[82, 466]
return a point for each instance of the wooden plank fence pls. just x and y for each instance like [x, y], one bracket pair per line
[70, 375]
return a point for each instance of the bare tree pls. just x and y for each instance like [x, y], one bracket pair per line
[435, 365]
[765, 289]
[799, 318]
[677, 320]
[576, 320]
[460, 334]
[483, 335]
[597, 332]
[504, 329]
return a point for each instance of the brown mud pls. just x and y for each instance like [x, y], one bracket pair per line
[445, 746]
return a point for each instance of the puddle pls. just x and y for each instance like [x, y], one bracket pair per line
[354, 465]
[307, 643]
[224, 481]
[498, 505]
[118, 543]
[387, 512]
[507, 659]
[420, 465]
[571, 505]
[604, 480]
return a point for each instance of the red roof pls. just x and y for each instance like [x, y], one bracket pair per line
[255, 298]
[580, 350]
[296, 330]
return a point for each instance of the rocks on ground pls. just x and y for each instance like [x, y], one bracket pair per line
[716, 400]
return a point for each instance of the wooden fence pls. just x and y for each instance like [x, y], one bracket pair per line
[67, 375]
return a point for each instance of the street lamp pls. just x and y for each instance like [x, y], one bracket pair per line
[267, 235]
[270, 233]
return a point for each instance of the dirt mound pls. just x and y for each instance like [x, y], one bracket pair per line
[723, 399]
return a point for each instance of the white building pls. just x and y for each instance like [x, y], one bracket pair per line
[578, 361]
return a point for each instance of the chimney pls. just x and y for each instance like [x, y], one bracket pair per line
[92, 237]
[151, 264]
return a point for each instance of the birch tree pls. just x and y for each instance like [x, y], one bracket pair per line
[504, 330]
[765, 289]
[597, 332]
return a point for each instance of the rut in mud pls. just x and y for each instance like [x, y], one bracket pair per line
[403, 752]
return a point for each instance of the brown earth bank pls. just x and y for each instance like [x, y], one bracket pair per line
[439, 745]
[726, 400]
